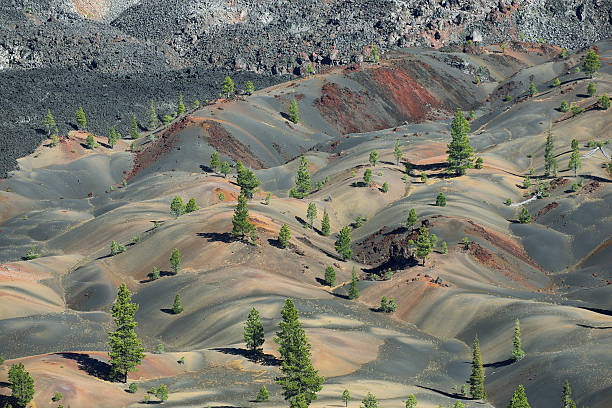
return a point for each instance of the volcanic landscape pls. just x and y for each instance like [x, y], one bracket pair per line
[69, 202]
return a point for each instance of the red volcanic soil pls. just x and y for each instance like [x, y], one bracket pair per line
[503, 243]
[159, 148]
[407, 95]
[347, 110]
[224, 142]
[548, 208]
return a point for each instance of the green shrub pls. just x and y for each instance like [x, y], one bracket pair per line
[564, 106]
[441, 200]
[133, 388]
[385, 187]
[31, 253]
[58, 396]
[508, 201]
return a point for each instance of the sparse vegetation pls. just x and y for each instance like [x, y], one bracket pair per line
[31, 253]
[532, 90]
[604, 102]
[591, 90]
[254, 331]
[214, 161]
[227, 87]
[343, 243]
[22, 384]
[459, 151]
[519, 398]
[387, 305]
[116, 248]
[591, 63]
[397, 151]
[91, 142]
[240, 221]
[175, 261]
[152, 114]
[191, 206]
[80, 118]
[250, 88]
[369, 401]
[311, 213]
[478, 164]
[330, 276]
[367, 177]
[177, 208]
[441, 200]
[385, 187]
[247, 180]
[346, 397]
[524, 217]
[556, 83]
[177, 305]
[294, 112]
[134, 134]
[302, 180]
[353, 292]
[412, 218]
[299, 380]
[564, 106]
[517, 353]
[373, 159]
[225, 169]
[126, 351]
[263, 394]
[325, 227]
[423, 245]
[284, 236]
[477, 376]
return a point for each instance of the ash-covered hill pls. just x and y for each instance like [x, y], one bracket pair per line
[73, 48]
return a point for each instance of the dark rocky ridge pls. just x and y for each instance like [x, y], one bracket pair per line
[113, 56]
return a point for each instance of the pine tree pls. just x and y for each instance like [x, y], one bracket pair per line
[556, 83]
[574, 144]
[263, 394]
[153, 119]
[134, 134]
[227, 87]
[443, 248]
[241, 217]
[330, 276]
[343, 243]
[549, 157]
[524, 217]
[112, 137]
[49, 122]
[517, 352]
[126, 351]
[325, 223]
[423, 244]
[369, 401]
[250, 88]
[477, 376]
[574, 162]
[397, 151]
[385, 187]
[91, 142]
[80, 117]
[591, 63]
[346, 397]
[373, 159]
[412, 218]
[519, 399]
[247, 181]
[441, 200]
[302, 180]
[254, 331]
[191, 205]
[564, 107]
[604, 102]
[566, 398]
[225, 169]
[411, 402]
[175, 261]
[284, 236]
[353, 292]
[294, 112]
[177, 306]
[298, 379]
[311, 213]
[532, 90]
[22, 384]
[375, 56]
[214, 160]
[177, 207]
[116, 248]
[459, 151]
[591, 90]
[180, 106]
[367, 176]
[161, 393]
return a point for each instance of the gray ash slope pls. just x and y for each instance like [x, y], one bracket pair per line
[113, 56]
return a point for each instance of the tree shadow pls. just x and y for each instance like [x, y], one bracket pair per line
[166, 310]
[359, 184]
[161, 275]
[8, 401]
[90, 365]
[205, 168]
[225, 237]
[446, 394]
[321, 281]
[285, 116]
[581, 95]
[275, 242]
[600, 311]
[499, 364]
[430, 167]
[253, 356]
[586, 326]
[395, 264]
